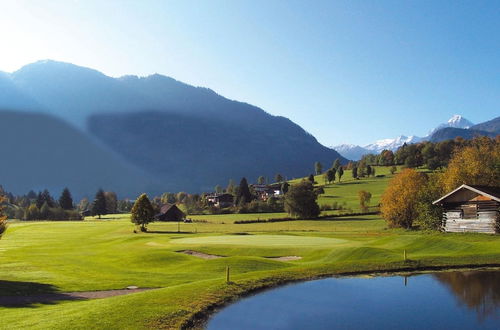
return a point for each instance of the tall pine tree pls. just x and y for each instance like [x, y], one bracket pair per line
[66, 201]
[244, 196]
[99, 204]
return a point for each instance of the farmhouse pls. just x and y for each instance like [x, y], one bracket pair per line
[221, 200]
[471, 208]
[170, 212]
[264, 191]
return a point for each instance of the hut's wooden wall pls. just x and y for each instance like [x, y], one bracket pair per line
[486, 220]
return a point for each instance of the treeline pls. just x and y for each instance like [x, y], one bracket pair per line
[408, 199]
[432, 155]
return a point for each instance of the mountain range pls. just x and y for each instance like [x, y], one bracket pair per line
[456, 126]
[133, 134]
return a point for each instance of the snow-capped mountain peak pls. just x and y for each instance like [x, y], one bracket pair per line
[459, 122]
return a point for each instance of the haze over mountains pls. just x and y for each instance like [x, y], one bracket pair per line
[456, 126]
[159, 134]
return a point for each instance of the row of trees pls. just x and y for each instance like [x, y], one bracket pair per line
[408, 198]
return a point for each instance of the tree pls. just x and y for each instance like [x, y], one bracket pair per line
[278, 178]
[300, 201]
[318, 168]
[311, 178]
[330, 175]
[32, 213]
[244, 196]
[99, 205]
[354, 172]
[218, 189]
[393, 169]
[399, 201]
[261, 180]
[477, 164]
[142, 212]
[364, 199]
[284, 187]
[181, 196]
[3, 217]
[373, 171]
[45, 211]
[336, 163]
[44, 197]
[111, 202]
[230, 189]
[66, 201]
[341, 172]
[368, 170]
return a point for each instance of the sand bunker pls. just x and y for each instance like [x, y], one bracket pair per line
[286, 258]
[200, 254]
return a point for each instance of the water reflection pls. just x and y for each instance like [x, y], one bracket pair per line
[479, 291]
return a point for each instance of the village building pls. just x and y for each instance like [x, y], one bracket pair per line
[265, 191]
[471, 208]
[170, 212]
[220, 200]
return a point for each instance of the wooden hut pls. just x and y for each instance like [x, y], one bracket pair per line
[471, 208]
[170, 212]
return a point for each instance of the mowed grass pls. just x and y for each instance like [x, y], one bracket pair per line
[41, 257]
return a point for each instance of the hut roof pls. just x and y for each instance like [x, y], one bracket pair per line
[491, 192]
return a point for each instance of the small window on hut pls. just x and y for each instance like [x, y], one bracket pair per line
[469, 211]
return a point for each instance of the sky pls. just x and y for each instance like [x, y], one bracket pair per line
[346, 71]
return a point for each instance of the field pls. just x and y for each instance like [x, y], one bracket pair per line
[94, 255]
[44, 257]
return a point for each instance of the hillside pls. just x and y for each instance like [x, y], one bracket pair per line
[44, 152]
[192, 153]
[449, 133]
[188, 138]
[492, 126]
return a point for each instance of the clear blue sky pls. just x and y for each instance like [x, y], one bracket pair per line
[346, 71]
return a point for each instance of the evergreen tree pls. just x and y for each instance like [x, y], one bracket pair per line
[318, 168]
[278, 178]
[311, 178]
[261, 180]
[44, 197]
[99, 204]
[368, 170]
[300, 201]
[330, 175]
[284, 187]
[66, 201]
[244, 196]
[354, 172]
[142, 212]
[340, 172]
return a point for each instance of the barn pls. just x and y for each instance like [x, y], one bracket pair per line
[471, 208]
[170, 212]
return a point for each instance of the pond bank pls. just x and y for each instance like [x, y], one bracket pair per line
[245, 288]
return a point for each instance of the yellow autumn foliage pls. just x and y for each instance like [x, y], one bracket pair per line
[477, 164]
[399, 201]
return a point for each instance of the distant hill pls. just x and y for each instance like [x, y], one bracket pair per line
[449, 133]
[188, 138]
[492, 126]
[40, 151]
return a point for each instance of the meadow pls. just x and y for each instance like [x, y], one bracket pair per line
[93, 255]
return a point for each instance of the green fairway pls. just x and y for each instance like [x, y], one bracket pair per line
[261, 240]
[45, 257]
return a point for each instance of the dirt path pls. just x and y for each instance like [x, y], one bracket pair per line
[48, 298]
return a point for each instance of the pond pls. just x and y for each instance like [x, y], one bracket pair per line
[441, 300]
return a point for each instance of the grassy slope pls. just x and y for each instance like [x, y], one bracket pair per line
[98, 255]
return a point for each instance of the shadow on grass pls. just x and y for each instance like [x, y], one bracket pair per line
[28, 294]
[168, 232]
